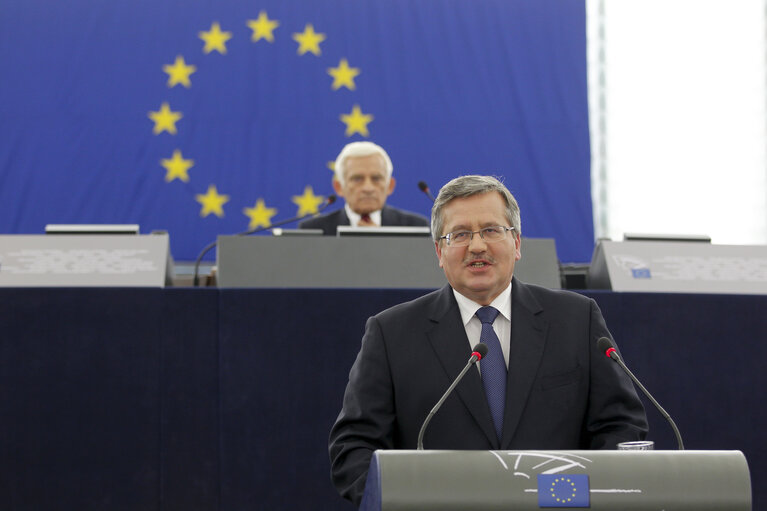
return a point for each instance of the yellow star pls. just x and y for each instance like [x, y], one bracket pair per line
[356, 122]
[176, 167]
[212, 202]
[179, 72]
[260, 215]
[263, 27]
[308, 40]
[308, 202]
[164, 120]
[215, 39]
[343, 75]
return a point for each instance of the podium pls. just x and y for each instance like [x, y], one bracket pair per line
[526, 480]
[678, 267]
[357, 262]
[85, 260]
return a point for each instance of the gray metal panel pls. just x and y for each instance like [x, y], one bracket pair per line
[598, 276]
[327, 262]
[684, 267]
[625, 480]
[364, 262]
[539, 264]
[83, 260]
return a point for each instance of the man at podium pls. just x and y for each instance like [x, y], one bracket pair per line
[363, 177]
[543, 384]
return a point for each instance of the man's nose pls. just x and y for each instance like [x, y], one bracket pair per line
[477, 243]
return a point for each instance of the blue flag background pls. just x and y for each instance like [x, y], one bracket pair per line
[103, 119]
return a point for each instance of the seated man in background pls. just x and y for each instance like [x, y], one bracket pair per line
[363, 177]
[543, 384]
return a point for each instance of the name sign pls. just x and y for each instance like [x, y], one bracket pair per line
[84, 260]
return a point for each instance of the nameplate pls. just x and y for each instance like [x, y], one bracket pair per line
[679, 267]
[401, 262]
[84, 260]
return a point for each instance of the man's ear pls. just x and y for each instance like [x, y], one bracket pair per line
[339, 189]
[392, 184]
[438, 249]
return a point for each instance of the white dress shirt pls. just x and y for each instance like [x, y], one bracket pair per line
[354, 218]
[501, 325]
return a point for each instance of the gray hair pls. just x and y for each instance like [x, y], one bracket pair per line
[363, 148]
[467, 186]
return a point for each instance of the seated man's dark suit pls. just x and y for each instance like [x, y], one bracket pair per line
[389, 216]
[562, 392]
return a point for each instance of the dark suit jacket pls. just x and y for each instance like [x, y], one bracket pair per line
[389, 216]
[562, 393]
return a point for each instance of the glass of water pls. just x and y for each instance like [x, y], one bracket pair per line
[637, 445]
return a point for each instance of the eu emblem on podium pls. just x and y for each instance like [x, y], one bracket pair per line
[562, 490]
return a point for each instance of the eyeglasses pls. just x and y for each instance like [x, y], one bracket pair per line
[488, 234]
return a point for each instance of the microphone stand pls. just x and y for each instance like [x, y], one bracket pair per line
[480, 350]
[607, 346]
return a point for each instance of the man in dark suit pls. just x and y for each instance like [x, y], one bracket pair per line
[557, 390]
[363, 177]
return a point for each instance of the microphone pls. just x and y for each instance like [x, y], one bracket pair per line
[330, 199]
[425, 189]
[606, 345]
[480, 350]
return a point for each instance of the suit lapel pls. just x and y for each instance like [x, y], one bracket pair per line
[343, 219]
[528, 340]
[388, 217]
[449, 341]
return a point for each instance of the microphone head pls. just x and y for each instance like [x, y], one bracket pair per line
[481, 350]
[605, 345]
[423, 186]
[330, 199]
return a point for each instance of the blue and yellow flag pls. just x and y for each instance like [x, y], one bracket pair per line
[206, 118]
[563, 490]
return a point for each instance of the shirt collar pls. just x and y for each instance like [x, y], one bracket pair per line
[469, 307]
[354, 218]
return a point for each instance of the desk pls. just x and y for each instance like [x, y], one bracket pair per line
[207, 399]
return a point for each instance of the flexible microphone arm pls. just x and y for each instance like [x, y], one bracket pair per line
[480, 350]
[328, 201]
[605, 345]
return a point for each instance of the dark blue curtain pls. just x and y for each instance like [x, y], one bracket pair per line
[215, 400]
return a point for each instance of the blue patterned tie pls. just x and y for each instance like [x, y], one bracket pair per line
[493, 367]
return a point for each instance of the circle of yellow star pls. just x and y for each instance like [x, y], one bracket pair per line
[343, 75]
[212, 202]
[215, 39]
[177, 167]
[357, 122]
[308, 202]
[165, 119]
[263, 27]
[260, 215]
[179, 72]
[309, 40]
